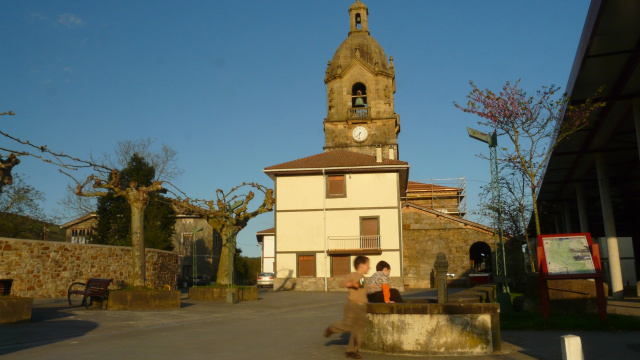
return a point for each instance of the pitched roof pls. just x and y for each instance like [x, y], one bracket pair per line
[449, 217]
[415, 186]
[269, 231]
[79, 220]
[262, 233]
[335, 159]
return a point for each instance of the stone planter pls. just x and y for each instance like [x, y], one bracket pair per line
[432, 329]
[245, 293]
[143, 299]
[15, 309]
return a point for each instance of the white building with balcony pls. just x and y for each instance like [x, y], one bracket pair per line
[331, 207]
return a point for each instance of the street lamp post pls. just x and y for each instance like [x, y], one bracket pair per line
[492, 140]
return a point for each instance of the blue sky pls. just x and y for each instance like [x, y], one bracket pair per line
[236, 86]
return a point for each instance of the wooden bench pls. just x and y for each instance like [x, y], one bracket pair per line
[93, 289]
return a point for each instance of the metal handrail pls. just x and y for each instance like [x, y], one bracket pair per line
[365, 242]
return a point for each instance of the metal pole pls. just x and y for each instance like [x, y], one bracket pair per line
[501, 270]
[194, 261]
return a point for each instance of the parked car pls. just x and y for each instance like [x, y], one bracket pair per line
[201, 280]
[265, 279]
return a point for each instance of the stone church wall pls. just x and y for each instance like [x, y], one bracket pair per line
[425, 235]
[45, 269]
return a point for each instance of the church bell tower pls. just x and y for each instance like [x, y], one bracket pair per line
[360, 89]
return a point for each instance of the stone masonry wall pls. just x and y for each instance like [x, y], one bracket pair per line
[425, 235]
[46, 268]
[317, 284]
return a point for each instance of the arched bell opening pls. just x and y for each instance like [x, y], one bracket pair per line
[358, 21]
[480, 257]
[358, 95]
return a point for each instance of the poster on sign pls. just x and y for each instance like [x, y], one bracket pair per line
[568, 255]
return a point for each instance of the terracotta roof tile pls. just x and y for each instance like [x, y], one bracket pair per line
[335, 158]
[267, 231]
[415, 186]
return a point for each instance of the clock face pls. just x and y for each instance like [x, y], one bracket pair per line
[360, 133]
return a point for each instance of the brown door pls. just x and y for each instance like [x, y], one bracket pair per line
[369, 231]
[306, 265]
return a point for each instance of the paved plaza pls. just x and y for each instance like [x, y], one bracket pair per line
[281, 325]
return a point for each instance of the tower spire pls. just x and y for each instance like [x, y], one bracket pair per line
[358, 18]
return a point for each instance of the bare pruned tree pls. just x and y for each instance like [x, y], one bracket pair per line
[163, 160]
[137, 197]
[9, 156]
[228, 214]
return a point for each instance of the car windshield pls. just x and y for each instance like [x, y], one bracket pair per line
[266, 274]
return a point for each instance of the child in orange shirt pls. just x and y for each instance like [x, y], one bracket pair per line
[378, 290]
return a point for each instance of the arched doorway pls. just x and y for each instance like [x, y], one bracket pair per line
[480, 257]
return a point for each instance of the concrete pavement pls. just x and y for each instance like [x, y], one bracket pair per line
[282, 325]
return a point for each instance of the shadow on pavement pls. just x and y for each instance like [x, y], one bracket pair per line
[48, 325]
[342, 340]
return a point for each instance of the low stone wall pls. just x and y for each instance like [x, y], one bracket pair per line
[143, 300]
[15, 309]
[570, 296]
[317, 284]
[46, 268]
[432, 329]
[244, 293]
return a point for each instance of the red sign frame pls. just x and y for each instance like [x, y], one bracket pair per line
[544, 274]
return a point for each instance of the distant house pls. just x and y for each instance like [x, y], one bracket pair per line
[79, 231]
[266, 238]
[199, 251]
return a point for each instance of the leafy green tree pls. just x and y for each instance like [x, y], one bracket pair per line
[114, 215]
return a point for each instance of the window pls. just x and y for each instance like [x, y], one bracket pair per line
[306, 266]
[336, 186]
[340, 265]
[81, 236]
[187, 271]
[187, 242]
[369, 233]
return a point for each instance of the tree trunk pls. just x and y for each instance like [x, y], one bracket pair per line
[228, 244]
[137, 248]
[535, 210]
[526, 236]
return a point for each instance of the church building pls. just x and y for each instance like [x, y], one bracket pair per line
[353, 198]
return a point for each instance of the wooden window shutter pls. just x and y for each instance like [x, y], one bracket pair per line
[306, 265]
[369, 226]
[335, 185]
[340, 265]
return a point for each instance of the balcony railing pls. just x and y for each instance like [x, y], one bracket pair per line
[343, 243]
[359, 113]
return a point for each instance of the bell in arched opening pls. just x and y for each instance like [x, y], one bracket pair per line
[359, 95]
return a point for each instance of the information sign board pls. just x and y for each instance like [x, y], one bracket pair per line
[568, 255]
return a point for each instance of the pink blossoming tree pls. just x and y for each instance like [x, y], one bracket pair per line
[535, 126]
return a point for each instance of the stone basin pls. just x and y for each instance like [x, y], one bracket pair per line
[420, 328]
